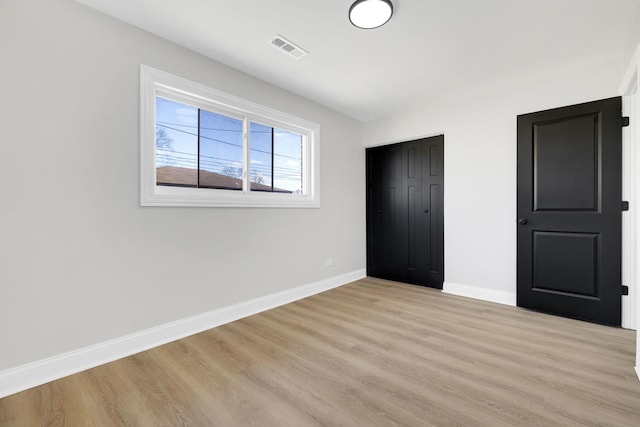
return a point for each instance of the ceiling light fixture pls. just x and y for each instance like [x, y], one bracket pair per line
[369, 14]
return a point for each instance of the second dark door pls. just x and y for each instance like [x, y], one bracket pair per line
[569, 210]
[405, 217]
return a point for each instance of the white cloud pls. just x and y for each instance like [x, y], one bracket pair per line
[187, 116]
[186, 111]
[188, 120]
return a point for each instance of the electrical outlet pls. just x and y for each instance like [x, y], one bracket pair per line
[328, 262]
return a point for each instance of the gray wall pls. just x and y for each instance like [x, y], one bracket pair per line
[80, 261]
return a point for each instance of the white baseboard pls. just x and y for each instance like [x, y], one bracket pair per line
[43, 371]
[501, 297]
[638, 371]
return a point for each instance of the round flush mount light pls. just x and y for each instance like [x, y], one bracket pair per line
[369, 14]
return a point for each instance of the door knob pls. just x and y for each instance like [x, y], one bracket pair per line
[426, 211]
[522, 221]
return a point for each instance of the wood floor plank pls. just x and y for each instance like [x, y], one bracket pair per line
[374, 353]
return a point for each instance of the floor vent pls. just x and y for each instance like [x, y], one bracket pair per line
[288, 47]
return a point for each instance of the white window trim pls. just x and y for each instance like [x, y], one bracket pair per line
[154, 83]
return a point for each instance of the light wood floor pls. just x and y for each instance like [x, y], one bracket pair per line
[372, 353]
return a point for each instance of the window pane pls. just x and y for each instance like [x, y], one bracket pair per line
[260, 157]
[275, 160]
[220, 151]
[287, 161]
[176, 143]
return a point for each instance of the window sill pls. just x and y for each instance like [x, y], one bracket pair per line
[207, 197]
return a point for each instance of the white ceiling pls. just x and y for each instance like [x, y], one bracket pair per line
[428, 46]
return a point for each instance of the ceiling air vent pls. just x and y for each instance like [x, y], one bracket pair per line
[288, 47]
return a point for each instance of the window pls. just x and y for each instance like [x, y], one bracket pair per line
[202, 147]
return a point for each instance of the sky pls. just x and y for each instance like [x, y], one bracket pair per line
[221, 145]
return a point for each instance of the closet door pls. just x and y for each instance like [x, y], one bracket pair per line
[405, 233]
[384, 212]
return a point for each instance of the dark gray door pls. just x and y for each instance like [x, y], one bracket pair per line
[405, 217]
[569, 211]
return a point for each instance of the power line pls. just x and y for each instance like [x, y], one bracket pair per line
[270, 172]
[192, 159]
[222, 129]
[226, 142]
[214, 129]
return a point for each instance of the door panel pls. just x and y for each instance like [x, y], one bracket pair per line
[436, 228]
[405, 240]
[569, 210]
[573, 141]
[565, 263]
